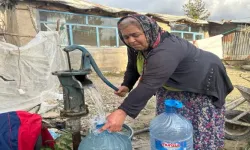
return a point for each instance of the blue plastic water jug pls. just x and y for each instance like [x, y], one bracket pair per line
[170, 130]
[105, 141]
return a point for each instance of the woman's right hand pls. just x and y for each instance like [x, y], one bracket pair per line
[123, 90]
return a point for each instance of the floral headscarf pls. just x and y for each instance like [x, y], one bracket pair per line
[151, 29]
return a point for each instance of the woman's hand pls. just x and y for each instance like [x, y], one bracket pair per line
[114, 121]
[123, 90]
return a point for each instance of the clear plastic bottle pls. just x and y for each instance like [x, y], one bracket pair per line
[105, 141]
[170, 130]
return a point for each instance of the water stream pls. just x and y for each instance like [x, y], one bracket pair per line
[100, 115]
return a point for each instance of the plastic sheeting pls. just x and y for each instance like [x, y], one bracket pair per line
[26, 78]
[211, 44]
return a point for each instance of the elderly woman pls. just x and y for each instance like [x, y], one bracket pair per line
[173, 68]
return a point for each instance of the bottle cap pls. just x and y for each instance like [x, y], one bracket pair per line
[98, 126]
[173, 103]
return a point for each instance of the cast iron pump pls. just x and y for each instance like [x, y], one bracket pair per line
[73, 82]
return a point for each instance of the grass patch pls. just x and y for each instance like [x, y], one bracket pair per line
[64, 142]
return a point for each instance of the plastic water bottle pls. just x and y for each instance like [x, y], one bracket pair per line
[105, 141]
[170, 130]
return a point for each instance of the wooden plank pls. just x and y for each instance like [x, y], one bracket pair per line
[240, 115]
[235, 103]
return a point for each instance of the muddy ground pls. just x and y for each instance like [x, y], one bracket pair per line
[141, 141]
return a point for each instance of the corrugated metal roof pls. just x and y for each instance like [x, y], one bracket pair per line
[218, 22]
[245, 20]
[172, 18]
[85, 5]
[240, 21]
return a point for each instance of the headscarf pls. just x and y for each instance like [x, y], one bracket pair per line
[151, 29]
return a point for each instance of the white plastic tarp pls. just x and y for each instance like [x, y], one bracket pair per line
[211, 44]
[26, 78]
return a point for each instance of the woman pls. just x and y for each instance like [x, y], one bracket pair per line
[171, 67]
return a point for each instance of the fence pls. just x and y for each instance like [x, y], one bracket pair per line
[236, 45]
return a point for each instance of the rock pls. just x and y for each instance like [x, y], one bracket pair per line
[246, 67]
[135, 138]
[50, 115]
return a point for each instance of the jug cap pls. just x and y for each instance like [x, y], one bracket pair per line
[173, 103]
[98, 126]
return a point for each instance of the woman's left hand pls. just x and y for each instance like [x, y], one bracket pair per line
[114, 121]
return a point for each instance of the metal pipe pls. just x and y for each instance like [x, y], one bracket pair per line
[76, 139]
[69, 61]
[141, 131]
[74, 124]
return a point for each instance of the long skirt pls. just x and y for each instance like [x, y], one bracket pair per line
[207, 120]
